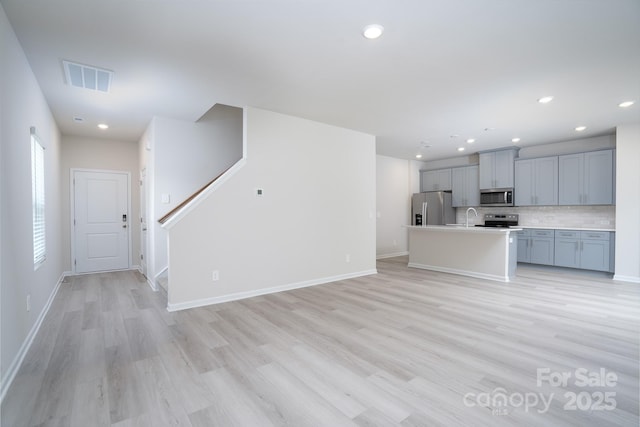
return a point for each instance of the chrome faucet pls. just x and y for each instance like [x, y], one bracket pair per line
[474, 211]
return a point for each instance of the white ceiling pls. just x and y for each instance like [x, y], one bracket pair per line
[442, 67]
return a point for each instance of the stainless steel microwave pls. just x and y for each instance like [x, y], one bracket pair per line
[497, 197]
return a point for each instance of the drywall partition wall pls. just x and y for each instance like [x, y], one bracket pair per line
[393, 206]
[627, 263]
[314, 222]
[87, 153]
[23, 105]
[145, 164]
[414, 176]
[185, 157]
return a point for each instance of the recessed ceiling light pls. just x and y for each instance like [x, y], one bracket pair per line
[418, 156]
[103, 126]
[460, 148]
[471, 141]
[580, 128]
[515, 139]
[626, 104]
[372, 31]
[545, 99]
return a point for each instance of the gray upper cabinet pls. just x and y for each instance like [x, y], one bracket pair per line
[435, 180]
[464, 186]
[536, 182]
[586, 178]
[496, 169]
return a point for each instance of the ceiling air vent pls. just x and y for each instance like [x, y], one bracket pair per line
[87, 77]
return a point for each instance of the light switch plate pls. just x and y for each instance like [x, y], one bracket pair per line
[165, 198]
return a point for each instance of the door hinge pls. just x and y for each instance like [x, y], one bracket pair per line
[141, 256]
[75, 262]
[74, 221]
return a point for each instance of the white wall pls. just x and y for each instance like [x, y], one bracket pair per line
[183, 157]
[393, 197]
[23, 105]
[318, 206]
[628, 203]
[569, 147]
[91, 153]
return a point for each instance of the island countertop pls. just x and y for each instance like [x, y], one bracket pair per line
[464, 229]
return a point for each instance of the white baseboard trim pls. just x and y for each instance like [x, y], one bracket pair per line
[161, 272]
[461, 272]
[392, 255]
[631, 279]
[248, 294]
[154, 287]
[26, 344]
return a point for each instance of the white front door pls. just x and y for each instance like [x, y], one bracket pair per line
[101, 218]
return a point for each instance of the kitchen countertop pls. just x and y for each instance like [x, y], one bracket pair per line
[564, 228]
[462, 228]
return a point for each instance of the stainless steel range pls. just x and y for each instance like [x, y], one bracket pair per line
[499, 220]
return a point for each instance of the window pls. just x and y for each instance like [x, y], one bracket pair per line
[37, 197]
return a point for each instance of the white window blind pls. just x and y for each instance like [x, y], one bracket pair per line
[37, 197]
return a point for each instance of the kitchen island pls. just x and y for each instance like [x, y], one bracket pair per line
[488, 253]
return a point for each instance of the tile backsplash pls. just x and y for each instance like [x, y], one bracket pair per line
[551, 216]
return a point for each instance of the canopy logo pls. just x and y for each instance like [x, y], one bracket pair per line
[500, 401]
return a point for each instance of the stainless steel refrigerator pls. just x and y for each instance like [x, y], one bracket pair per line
[432, 208]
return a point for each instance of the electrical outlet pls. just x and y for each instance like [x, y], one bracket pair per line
[395, 243]
[215, 275]
[28, 302]
[348, 258]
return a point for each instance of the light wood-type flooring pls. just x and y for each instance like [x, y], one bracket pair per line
[405, 347]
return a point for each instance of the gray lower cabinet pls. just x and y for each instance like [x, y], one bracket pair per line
[588, 250]
[567, 248]
[583, 249]
[536, 246]
[524, 240]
